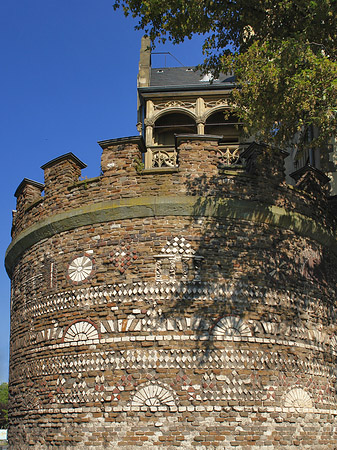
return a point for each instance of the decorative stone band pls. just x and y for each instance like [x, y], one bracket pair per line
[152, 293]
[230, 382]
[169, 337]
[230, 208]
[229, 358]
[256, 410]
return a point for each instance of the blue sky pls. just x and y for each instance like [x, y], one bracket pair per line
[67, 80]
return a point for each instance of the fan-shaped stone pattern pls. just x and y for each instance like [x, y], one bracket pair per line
[333, 343]
[297, 398]
[81, 331]
[231, 326]
[153, 395]
[80, 269]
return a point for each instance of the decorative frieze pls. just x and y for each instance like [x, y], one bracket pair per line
[229, 358]
[151, 293]
[210, 104]
[160, 106]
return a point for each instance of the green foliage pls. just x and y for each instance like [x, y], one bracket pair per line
[283, 53]
[139, 165]
[285, 88]
[3, 405]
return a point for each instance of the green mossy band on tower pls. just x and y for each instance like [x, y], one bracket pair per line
[193, 206]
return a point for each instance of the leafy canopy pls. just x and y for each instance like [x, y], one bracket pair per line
[283, 53]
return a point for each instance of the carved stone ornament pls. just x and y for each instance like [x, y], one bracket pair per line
[174, 104]
[229, 156]
[216, 103]
[161, 158]
[200, 119]
[149, 122]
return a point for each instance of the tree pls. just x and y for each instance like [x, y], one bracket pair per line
[3, 405]
[283, 54]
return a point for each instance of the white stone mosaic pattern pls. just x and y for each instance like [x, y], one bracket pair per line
[231, 326]
[80, 269]
[176, 358]
[153, 396]
[123, 257]
[297, 398]
[334, 343]
[81, 331]
[151, 293]
[74, 389]
[177, 252]
[237, 387]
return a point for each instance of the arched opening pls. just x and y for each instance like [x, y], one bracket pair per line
[170, 124]
[222, 125]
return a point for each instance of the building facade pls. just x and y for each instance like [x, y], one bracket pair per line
[185, 298]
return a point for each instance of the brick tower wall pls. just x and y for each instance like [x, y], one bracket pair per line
[191, 307]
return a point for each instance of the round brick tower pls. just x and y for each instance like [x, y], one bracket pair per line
[189, 306]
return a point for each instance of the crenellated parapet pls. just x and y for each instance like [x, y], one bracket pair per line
[28, 195]
[61, 172]
[203, 166]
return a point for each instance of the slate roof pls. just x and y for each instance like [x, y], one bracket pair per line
[185, 76]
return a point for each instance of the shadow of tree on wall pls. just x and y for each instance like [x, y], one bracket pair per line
[251, 268]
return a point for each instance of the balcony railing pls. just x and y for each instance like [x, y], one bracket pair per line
[229, 154]
[166, 157]
[161, 158]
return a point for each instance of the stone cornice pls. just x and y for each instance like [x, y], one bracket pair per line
[191, 206]
[122, 141]
[69, 156]
[25, 182]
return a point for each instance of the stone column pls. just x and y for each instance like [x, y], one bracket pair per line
[149, 124]
[200, 110]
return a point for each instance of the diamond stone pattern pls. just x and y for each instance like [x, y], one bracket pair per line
[123, 257]
[74, 389]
